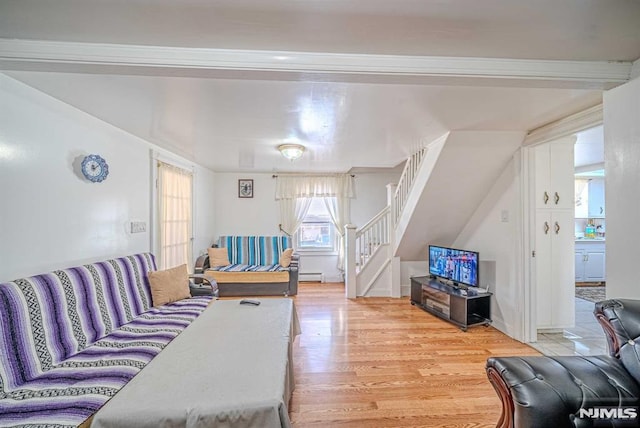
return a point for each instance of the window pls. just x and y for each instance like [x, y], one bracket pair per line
[317, 232]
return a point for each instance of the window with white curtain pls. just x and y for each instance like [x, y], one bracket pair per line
[175, 219]
[317, 231]
[296, 193]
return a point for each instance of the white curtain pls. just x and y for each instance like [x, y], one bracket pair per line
[175, 216]
[338, 209]
[292, 212]
[315, 186]
[336, 189]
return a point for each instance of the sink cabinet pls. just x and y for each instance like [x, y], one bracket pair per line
[590, 261]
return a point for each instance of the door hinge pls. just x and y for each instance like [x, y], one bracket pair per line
[533, 253]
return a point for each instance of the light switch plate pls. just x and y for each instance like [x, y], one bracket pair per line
[138, 226]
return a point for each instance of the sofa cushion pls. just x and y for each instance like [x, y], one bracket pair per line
[169, 285]
[254, 250]
[218, 257]
[249, 274]
[285, 257]
[72, 390]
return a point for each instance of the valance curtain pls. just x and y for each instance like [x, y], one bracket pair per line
[320, 186]
[175, 216]
[295, 192]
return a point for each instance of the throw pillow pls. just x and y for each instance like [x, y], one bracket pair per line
[218, 257]
[169, 285]
[285, 257]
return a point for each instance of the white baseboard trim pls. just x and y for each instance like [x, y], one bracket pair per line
[405, 290]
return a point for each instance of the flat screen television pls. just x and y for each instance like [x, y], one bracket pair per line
[458, 266]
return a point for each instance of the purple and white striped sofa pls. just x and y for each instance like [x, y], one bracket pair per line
[70, 339]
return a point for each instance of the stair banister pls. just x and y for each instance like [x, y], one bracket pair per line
[406, 181]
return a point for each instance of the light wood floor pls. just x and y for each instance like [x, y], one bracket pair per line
[380, 362]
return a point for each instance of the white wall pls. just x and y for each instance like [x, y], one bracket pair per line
[499, 244]
[371, 195]
[622, 187]
[204, 214]
[52, 217]
[245, 216]
[260, 215]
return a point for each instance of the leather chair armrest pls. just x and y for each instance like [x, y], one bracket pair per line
[202, 264]
[620, 320]
[295, 262]
[206, 280]
[294, 267]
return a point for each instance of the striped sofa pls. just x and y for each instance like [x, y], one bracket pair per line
[70, 339]
[254, 268]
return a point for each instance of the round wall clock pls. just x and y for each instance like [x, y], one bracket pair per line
[95, 168]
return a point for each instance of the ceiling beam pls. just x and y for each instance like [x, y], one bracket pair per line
[566, 126]
[162, 60]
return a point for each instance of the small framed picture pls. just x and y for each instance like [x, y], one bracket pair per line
[245, 188]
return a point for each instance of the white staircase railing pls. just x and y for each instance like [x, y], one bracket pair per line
[372, 236]
[363, 244]
[406, 181]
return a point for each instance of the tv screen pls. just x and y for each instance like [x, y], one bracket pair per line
[459, 266]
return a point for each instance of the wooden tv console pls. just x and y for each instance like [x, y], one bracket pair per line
[464, 308]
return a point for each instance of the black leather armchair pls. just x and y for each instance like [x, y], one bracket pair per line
[567, 391]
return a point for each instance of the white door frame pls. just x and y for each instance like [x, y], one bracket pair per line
[561, 128]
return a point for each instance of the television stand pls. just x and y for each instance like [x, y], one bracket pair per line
[462, 307]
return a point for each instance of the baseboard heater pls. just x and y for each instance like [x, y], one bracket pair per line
[310, 276]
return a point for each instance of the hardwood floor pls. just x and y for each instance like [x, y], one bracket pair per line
[381, 362]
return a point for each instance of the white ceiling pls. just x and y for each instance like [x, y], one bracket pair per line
[227, 118]
[540, 29]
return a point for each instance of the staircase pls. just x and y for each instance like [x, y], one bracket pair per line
[372, 243]
[440, 188]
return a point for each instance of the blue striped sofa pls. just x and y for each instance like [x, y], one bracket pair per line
[254, 268]
[72, 338]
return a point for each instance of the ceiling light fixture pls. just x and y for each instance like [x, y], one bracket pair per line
[291, 151]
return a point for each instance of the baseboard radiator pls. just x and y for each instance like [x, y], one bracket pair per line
[310, 277]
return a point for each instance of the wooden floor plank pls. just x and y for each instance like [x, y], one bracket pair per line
[380, 362]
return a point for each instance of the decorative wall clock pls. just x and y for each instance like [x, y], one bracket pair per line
[95, 168]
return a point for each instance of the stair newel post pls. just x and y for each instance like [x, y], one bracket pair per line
[391, 226]
[350, 261]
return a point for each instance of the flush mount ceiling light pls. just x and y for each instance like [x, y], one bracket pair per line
[291, 151]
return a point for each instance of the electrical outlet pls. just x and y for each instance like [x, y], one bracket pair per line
[504, 216]
[138, 226]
